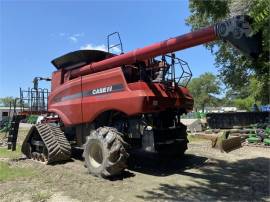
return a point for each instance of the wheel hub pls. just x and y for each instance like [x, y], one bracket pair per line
[96, 155]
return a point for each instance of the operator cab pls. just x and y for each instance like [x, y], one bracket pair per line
[166, 69]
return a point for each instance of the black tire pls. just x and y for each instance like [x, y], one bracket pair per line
[105, 152]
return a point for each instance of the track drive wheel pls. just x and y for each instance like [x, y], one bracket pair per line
[105, 152]
[46, 143]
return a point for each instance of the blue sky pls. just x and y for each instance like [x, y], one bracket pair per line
[32, 33]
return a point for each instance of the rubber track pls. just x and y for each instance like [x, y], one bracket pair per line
[55, 141]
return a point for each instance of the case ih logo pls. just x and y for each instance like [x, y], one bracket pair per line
[102, 90]
[93, 92]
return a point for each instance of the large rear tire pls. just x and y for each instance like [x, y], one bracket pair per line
[105, 152]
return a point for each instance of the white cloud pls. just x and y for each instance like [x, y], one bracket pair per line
[101, 47]
[90, 46]
[63, 34]
[78, 34]
[71, 37]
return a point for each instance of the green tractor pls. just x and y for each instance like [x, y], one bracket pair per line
[253, 137]
[258, 135]
[266, 139]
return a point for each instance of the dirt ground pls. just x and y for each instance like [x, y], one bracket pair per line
[203, 174]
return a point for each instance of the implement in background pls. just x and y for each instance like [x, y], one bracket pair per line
[231, 119]
[35, 99]
[32, 101]
[14, 126]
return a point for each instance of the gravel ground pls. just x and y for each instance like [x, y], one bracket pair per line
[203, 174]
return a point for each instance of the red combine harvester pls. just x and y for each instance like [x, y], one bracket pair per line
[109, 104]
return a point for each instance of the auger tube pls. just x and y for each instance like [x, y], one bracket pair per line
[235, 30]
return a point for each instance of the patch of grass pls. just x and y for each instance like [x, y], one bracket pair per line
[8, 173]
[4, 153]
[41, 196]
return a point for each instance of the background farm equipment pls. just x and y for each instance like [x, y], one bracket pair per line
[266, 139]
[32, 103]
[259, 136]
[232, 119]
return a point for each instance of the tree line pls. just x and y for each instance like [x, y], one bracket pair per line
[246, 80]
[207, 91]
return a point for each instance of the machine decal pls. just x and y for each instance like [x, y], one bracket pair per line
[71, 97]
[103, 90]
[92, 92]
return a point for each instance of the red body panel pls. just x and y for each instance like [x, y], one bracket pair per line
[69, 110]
[74, 106]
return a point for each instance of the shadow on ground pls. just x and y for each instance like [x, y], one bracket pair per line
[244, 180]
[153, 164]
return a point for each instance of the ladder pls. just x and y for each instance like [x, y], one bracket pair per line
[14, 126]
[13, 131]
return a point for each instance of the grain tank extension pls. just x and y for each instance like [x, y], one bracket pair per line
[108, 104]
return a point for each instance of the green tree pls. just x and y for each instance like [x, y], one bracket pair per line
[252, 94]
[5, 101]
[204, 89]
[245, 103]
[235, 69]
